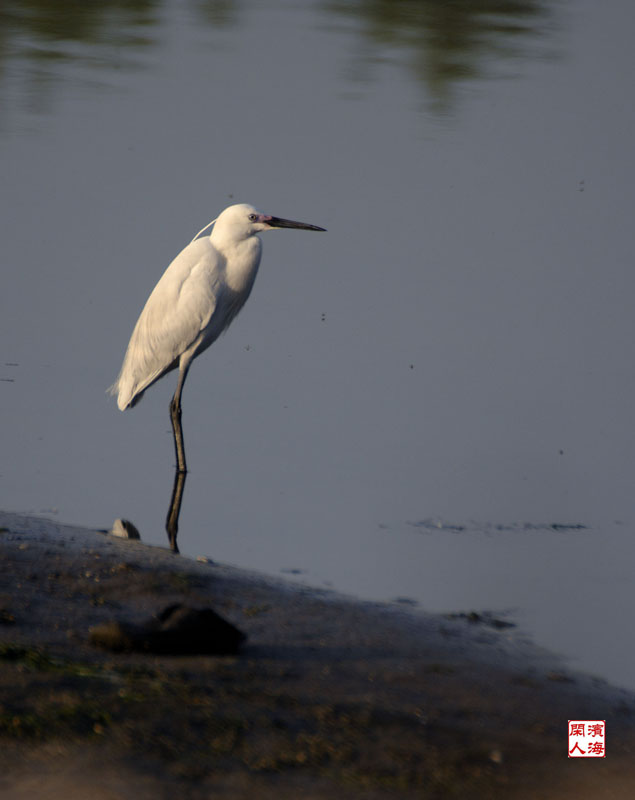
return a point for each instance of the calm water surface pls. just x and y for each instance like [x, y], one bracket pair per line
[432, 401]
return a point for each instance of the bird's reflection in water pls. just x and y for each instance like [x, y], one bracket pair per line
[172, 519]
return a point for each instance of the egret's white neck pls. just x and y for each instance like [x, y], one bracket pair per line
[242, 258]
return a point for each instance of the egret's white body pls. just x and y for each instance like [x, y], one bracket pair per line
[192, 304]
[195, 300]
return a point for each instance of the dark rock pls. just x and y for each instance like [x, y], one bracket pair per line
[177, 630]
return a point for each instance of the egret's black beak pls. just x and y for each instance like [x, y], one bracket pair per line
[276, 222]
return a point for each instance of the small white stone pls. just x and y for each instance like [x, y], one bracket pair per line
[124, 529]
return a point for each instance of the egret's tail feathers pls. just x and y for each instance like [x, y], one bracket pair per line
[125, 399]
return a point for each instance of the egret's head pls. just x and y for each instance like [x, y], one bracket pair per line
[242, 220]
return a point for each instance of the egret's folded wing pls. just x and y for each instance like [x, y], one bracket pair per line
[178, 310]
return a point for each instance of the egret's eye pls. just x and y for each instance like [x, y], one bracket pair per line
[253, 217]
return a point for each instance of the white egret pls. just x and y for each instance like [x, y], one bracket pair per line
[195, 300]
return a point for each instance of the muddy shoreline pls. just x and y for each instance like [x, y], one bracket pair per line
[328, 697]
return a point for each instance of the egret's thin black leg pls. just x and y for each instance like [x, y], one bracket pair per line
[175, 416]
[172, 522]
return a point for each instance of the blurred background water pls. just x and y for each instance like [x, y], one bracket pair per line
[431, 402]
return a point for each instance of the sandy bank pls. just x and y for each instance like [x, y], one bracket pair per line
[329, 697]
